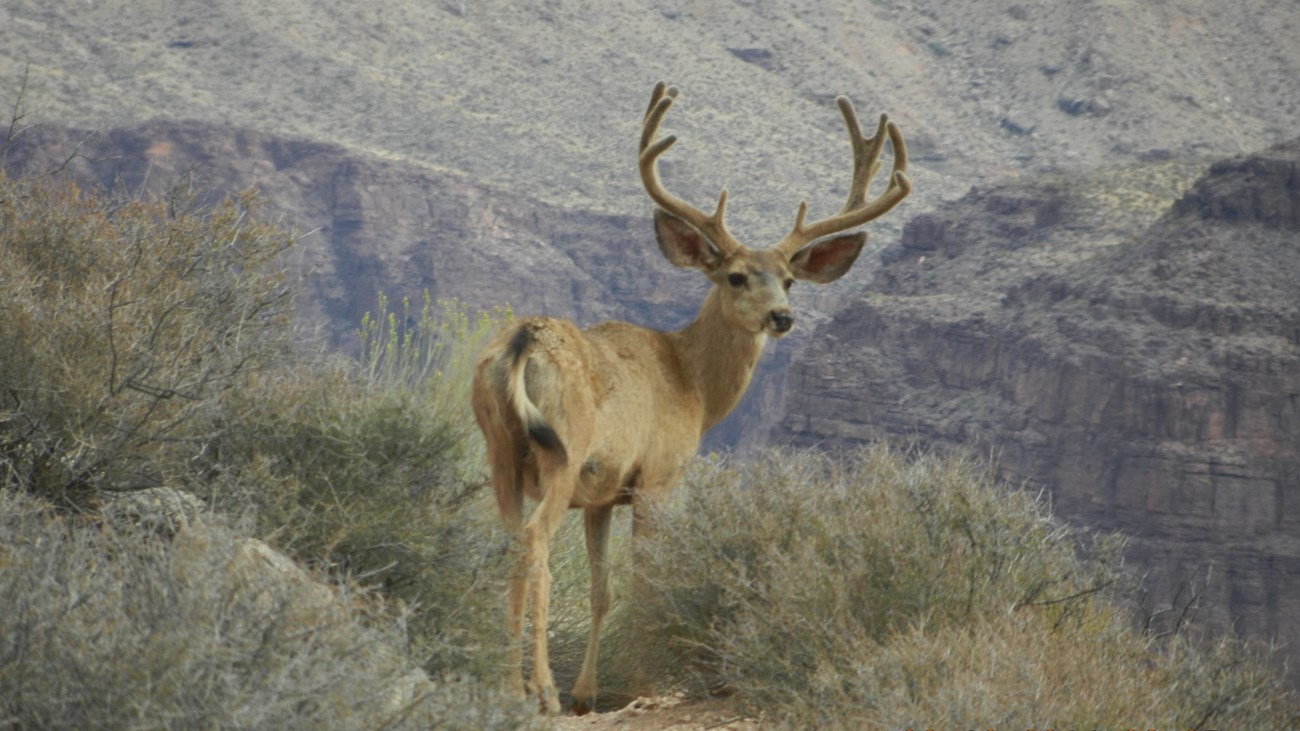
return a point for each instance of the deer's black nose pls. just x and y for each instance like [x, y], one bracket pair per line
[782, 320]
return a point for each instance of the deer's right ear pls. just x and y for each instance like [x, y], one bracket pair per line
[683, 244]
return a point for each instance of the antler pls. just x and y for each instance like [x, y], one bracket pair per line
[710, 226]
[866, 161]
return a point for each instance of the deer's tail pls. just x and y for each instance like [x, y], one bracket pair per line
[539, 430]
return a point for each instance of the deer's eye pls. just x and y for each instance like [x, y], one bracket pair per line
[736, 279]
[789, 283]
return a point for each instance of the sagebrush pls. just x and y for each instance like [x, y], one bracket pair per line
[106, 628]
[374, 470]
[125, 324]
[881, 590]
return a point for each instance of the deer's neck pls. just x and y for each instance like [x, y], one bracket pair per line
[718, 359]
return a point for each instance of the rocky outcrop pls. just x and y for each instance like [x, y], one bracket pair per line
[1151, 381]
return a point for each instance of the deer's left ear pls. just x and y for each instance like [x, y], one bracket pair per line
[829, 259]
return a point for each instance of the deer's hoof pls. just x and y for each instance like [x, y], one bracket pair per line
[582, 706]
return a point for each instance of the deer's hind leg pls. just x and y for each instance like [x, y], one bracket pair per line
[557, 487]
[596, 521]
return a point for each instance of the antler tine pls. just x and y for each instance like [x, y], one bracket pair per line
[866, 152]
[654, 114]
[858, 209]
[712, 226]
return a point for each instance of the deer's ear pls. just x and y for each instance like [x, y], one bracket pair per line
[829, 259]
[683, 244]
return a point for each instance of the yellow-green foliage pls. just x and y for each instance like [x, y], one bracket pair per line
[375, 470]
[880, 591]
[431, 351]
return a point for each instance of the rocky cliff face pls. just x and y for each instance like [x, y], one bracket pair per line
[371, 225]
[1151, 382]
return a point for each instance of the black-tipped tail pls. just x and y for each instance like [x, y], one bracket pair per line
[539, 431]
[545, 437]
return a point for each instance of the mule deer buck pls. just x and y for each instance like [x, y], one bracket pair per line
[609, 415]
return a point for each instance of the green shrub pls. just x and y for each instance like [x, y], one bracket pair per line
[881, 591]
[124, 324]
[432, 353]
[376, 472]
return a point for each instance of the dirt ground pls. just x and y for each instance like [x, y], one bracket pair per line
[662, 713]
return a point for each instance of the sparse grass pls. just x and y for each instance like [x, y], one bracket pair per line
[881, 591]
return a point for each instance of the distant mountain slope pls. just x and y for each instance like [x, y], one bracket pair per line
[1150, 380]
[543, 97]
[536, 106]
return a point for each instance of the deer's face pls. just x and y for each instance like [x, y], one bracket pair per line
[753, 288]
[753, 285]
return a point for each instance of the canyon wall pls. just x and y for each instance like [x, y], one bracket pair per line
[1148, 377]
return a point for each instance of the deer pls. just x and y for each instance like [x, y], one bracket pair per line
[610, 415]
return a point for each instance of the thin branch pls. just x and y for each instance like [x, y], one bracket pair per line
[1062, 600]
[17, 116]
[76, 152]
[17, 129]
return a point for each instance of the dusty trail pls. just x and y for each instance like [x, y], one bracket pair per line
[662, 713]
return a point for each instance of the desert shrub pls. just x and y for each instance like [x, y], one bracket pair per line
[880, 591]
[149, 343]
[432, 352]
[124, 324]
[1024, 670]
[114, 629]
[374, 470]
